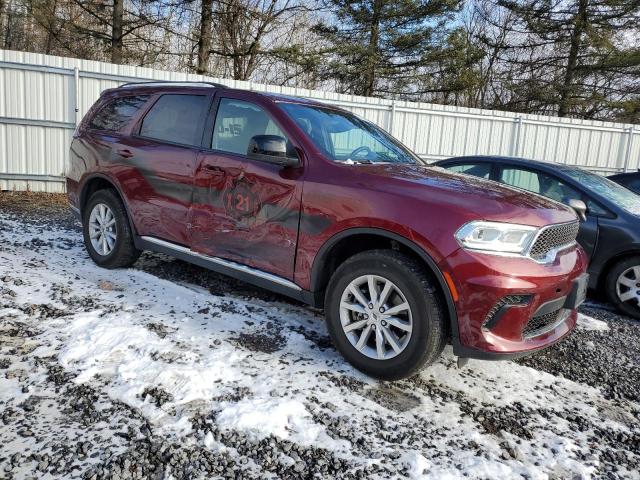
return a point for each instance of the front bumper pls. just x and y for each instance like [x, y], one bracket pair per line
[509, 307]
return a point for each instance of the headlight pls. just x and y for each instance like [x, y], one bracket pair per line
[496, 237]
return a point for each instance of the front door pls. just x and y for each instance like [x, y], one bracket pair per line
[245, 210]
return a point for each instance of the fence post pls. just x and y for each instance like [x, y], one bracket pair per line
[627, 155]
[516, 143]
[76, 91]
[392, 117]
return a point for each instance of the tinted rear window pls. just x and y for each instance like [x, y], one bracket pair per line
[176, 119]
[117, 113]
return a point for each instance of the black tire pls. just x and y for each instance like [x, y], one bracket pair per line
[629, 307]
[124, 252]
[429, 333]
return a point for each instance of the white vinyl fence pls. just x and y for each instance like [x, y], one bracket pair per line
[44, 97]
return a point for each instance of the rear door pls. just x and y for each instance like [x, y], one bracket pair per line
[245, 210]
[554, 188]
[161, 156]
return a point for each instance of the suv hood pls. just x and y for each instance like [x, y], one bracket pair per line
[474, 197]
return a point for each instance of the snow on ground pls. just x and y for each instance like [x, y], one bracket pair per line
[229, 376]
[588, 323]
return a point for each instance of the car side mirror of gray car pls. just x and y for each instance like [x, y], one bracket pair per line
[580, 207]
[271, 149]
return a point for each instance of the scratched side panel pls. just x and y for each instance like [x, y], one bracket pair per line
[158, 183]
[84, 157]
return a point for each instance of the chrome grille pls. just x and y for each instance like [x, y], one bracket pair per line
[542, 323]
[552, 237]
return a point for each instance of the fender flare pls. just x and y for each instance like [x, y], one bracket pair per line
[83, 194]
[599, 277]
[320, 259]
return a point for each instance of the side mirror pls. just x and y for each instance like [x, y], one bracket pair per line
[271, 149]
[580, 207]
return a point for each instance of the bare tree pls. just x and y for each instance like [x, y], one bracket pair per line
[204, 42]
[117, 19]
[249, 29]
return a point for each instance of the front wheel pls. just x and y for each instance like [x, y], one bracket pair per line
[623, 286]
[384, 314]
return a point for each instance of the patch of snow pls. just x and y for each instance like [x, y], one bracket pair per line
[284, 418]
[589, 323]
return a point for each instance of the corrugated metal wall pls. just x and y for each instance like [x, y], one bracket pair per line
[40, 95]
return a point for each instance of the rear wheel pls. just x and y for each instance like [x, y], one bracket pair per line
[384, 315]
[107, 233]
[623, 286]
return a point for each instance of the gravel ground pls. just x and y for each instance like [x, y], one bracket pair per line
[571, 411]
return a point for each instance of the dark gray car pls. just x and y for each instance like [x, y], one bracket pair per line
[610, 233]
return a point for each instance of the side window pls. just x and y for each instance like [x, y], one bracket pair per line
[524, 179]
[237, 122]
[540, 183]
[117, 113]
[482, 170]
[176, 119]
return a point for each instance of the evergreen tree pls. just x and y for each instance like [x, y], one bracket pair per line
[575, 57]
[375, 45]
[455, 75]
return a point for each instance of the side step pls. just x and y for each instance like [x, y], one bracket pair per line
[239, 271]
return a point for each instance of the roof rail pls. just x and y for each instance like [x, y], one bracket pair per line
[152, 83]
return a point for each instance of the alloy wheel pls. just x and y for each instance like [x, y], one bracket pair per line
[376, 317]
[628, 285]
[102, 229]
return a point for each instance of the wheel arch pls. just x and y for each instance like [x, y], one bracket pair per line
[611, 262]
[354, 240]
[99, 181]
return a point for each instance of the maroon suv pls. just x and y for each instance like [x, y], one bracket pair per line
[312, 202]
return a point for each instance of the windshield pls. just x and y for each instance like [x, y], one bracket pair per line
[607, 189]
[343, 137]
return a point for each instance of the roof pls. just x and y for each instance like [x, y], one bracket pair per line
[276, 97]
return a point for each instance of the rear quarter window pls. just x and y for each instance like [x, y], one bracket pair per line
[117, 113]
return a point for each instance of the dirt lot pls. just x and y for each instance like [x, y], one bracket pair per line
[167, 370]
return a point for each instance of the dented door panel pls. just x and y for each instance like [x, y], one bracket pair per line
[212, 223]
[269, 234]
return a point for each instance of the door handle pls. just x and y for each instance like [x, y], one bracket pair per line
[213, 170]
[124, 153]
